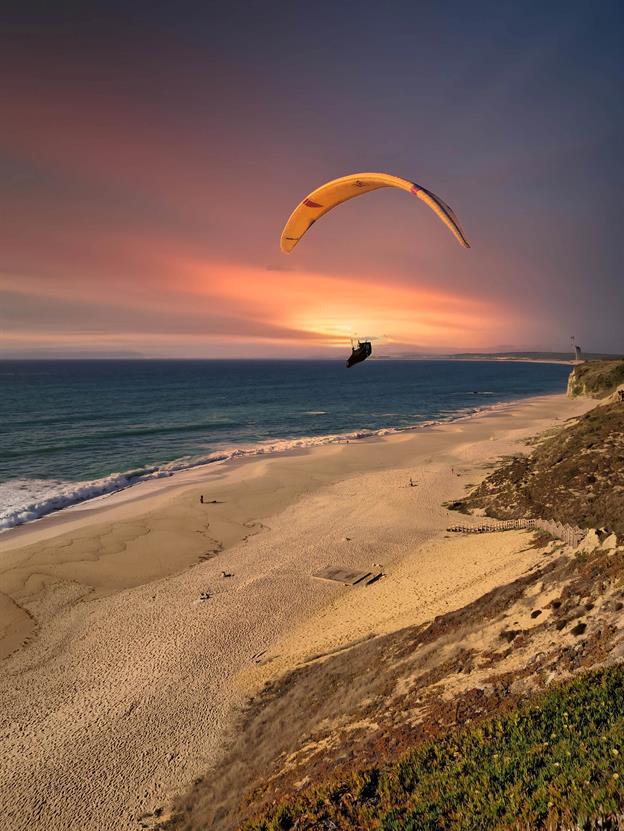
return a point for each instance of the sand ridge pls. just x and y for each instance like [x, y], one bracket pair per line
[126, 691]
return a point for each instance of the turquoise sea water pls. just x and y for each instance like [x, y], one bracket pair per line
[70, 430]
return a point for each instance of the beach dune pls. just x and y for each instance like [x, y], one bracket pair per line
[119, 682]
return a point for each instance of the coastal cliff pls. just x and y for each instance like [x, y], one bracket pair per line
[596, 379]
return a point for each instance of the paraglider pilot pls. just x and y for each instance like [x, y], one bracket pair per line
[359, 353]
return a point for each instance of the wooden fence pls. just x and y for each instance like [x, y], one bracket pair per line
[570, 534]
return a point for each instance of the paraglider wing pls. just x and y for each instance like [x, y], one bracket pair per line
[333, 193]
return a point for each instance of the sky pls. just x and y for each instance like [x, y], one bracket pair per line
[150, 156]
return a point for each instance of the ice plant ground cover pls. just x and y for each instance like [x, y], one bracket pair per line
[556, 762]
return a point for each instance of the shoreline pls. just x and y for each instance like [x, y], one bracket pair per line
[483, 360]
[119, 482]
[128, 684]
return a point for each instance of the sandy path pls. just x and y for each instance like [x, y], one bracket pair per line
[125, 693]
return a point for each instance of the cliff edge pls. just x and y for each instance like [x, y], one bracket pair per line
[596, 379]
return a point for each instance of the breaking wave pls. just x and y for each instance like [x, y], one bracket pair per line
[26, 500]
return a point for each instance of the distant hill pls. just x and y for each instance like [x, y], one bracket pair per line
[556, 357]
[530, 356]
[68, 355]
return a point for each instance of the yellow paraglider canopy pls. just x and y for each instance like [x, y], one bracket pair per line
[333, 193]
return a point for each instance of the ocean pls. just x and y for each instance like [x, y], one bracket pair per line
[73, 430]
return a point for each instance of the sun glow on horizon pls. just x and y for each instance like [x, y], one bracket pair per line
[333, 308]
[195, 307]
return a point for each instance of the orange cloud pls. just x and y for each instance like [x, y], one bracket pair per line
[129, 289]
[333, 307]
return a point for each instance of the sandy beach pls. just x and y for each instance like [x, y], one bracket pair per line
[119, 685]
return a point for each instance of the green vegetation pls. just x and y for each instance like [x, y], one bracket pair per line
[554, 763]
[596, 379]
[576, 476]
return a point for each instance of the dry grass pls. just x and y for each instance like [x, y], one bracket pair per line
[554, 763]
[575, 476]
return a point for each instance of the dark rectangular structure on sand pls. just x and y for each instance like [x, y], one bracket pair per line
[346, 575]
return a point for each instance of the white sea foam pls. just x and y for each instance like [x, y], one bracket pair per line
[25, 500]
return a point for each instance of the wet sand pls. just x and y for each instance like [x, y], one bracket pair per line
[118, 685]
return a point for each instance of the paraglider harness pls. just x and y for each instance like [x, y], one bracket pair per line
[359, 353]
